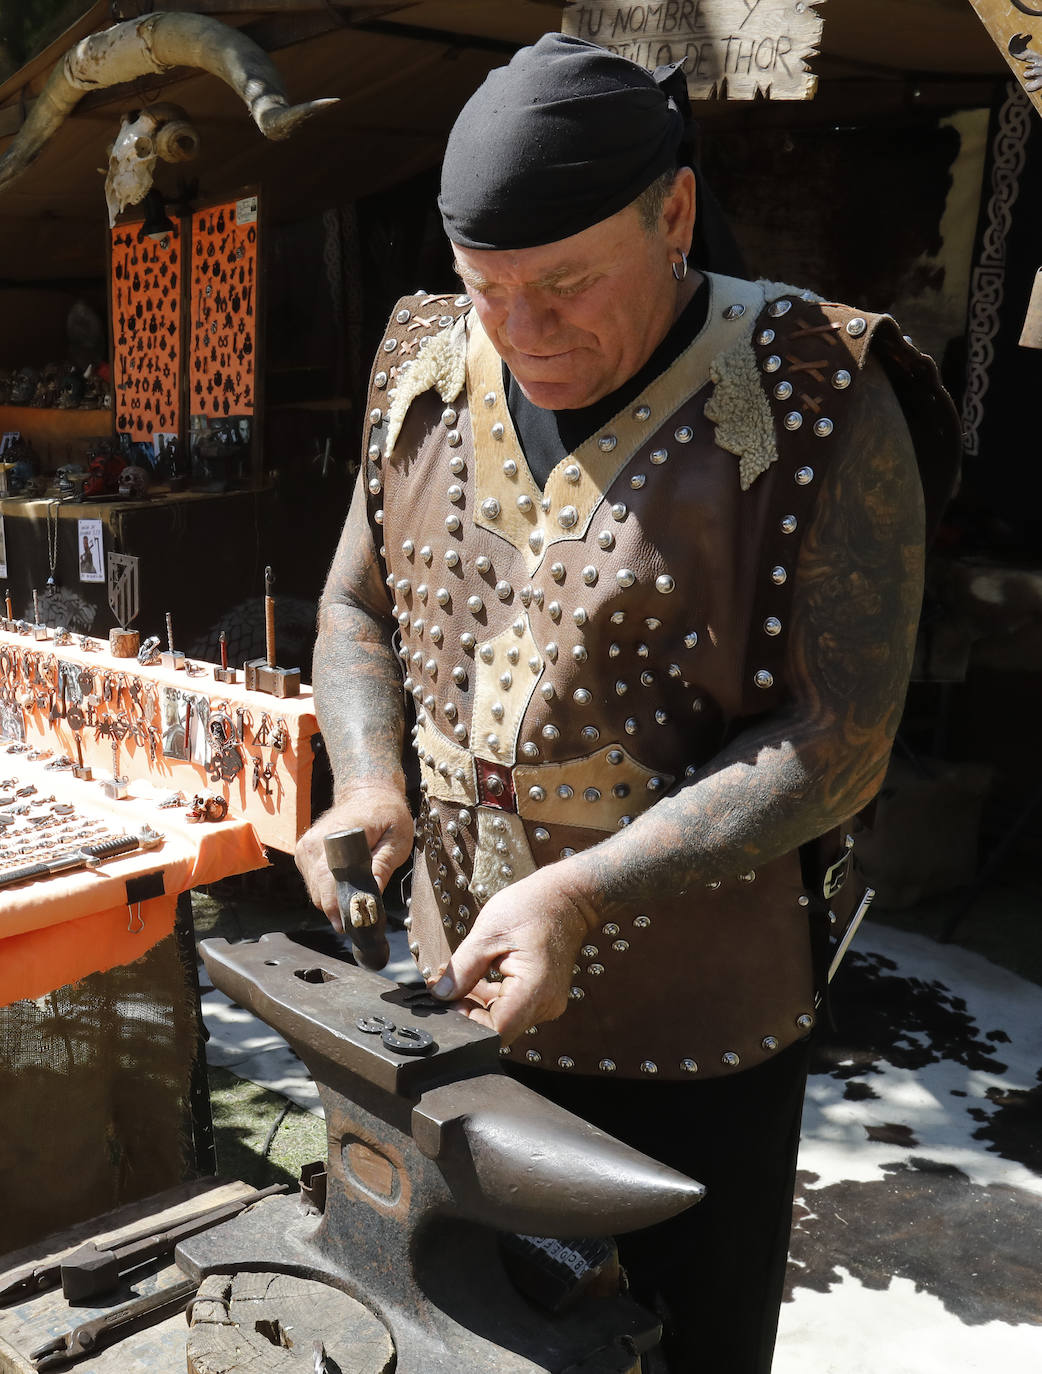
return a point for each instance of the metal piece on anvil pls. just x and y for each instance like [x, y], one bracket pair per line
[358, 896]
[123, 588]
[80, 770]
[224, 673]
[171, 657]
[428, 1157]
[269, 618]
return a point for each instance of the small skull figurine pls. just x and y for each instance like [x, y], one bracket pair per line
[70, 390]
[23, 386]
[133, 484]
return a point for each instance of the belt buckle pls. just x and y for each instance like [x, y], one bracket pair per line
[495, 785]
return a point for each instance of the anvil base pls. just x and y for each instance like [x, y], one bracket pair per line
[450, 1307]
[262, 676]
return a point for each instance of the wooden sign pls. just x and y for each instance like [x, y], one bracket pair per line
[735, 49]
[1017, 30]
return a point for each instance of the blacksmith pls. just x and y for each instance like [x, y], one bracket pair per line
[640, 547]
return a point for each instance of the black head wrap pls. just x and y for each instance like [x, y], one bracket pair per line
[562, 137]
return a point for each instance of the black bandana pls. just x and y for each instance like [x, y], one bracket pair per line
[562, 137]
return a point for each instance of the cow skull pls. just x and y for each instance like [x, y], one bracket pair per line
[145, 136]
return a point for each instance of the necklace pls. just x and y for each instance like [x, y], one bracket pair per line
[52, 545]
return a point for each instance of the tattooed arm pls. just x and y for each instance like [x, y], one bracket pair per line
[360, 707]
[785, 780]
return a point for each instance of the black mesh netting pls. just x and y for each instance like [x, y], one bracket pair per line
[94, 1095]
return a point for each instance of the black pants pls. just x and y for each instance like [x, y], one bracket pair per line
[715, 1273]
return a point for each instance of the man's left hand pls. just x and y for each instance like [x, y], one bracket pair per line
[529, 934]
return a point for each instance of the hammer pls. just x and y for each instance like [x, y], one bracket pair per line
[361, 906]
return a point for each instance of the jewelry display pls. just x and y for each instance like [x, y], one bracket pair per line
[51, 515]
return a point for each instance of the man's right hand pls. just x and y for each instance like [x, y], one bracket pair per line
[387, 821]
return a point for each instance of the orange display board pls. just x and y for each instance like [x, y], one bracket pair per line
[145, 276]
[223, 310]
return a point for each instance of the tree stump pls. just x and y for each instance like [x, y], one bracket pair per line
[275, 1324]
[124, 643]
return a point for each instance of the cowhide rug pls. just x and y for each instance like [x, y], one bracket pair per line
[917, 1241]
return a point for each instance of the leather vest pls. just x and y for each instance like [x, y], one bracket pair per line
[574, 651]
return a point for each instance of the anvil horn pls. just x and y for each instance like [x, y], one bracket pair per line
[520, 1163]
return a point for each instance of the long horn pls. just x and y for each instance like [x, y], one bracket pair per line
[145, 47]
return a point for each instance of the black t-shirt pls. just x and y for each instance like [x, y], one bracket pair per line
[547, 436]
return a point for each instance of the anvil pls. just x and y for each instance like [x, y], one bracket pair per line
[432, 1150]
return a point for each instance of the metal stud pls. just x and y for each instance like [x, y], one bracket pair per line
[659, 456]
[535, 541]
[804, 476]
[454, 439]
[619, 511]
[782, 390]
[763, 679]
[537, 794]
[572, 473]
[487, 653]
[841, 379]
[856, 327]
[551, 732]
[530, 750]
[684, 434]
[778, 308]
[541, 835]
[524, 503]
[765, 337]
[581, 696]
[637, 481]
[456, 465]
[749, 877]
[475, 605]
[734, 312]
[426, 553]
[510, 468]
[498, 430]
[490, 398]
[625, 577]
[380, 380]
[455, 492]
[769, 1042]
[642, 922]
[689, 1065]
[490, 508]
[553, 610]
[729, 1059]
[390, 345]
[551, 651]
[452, 523]
[589, 734]
[403, 316]
[451, 558]
[789, 524]
[595, 969]
[533, 1056]
[607, 442]
[772, 363]
[621, 688]
[823, 427]
[607, 1066]
[691, 639]
[557, 571]
[664, 584]
[805, 1022]
[504, 590]
[779, 575]
[576, 994]
[632, 725]
[449, 417]
[375, 486]
[772, 625]
[649, 1066]
[793, 420]
[568, 517]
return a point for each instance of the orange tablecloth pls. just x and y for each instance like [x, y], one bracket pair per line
[61, 929]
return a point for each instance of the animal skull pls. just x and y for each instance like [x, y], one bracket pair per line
[160, 131]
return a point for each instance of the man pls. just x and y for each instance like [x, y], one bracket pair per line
[647, 542]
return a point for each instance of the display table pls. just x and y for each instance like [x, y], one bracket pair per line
[60, 929]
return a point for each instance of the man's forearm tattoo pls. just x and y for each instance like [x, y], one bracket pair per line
[818, 761]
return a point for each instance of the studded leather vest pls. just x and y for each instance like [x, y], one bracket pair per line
[573, 651]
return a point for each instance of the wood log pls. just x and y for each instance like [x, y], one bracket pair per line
[124, 643]
[271, 1324]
